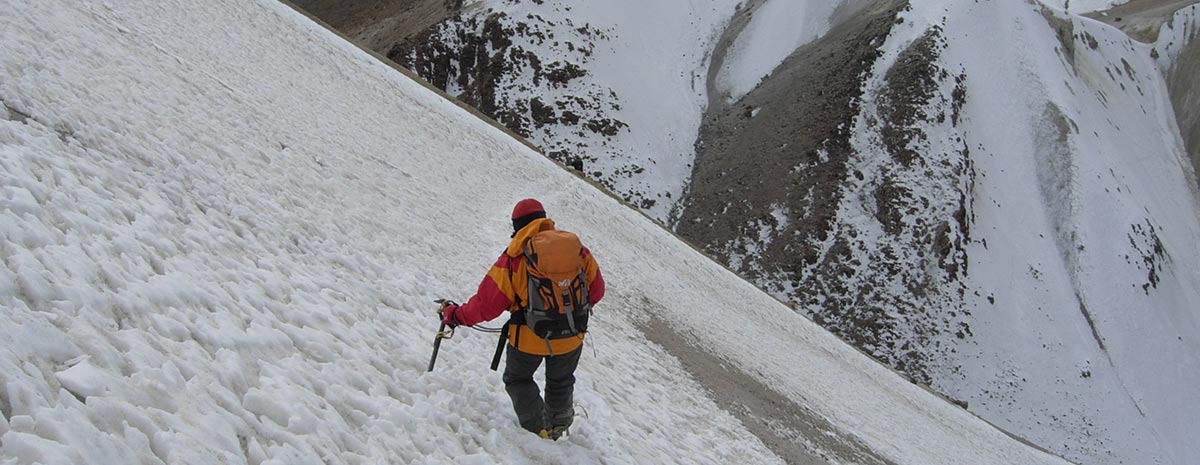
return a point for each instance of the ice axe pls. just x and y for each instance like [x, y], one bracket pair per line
[441, 334]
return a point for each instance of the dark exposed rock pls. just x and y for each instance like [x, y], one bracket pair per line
[475, 62]
[1152, 255]
[569, 118]
[361, 19]
[541, 113]
[562, 73]
[890, 200]
[911, 84]
[606, 126]
[958, 97]
[1090, 40]
[481, 59]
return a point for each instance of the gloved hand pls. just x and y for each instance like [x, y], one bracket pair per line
[448, 318]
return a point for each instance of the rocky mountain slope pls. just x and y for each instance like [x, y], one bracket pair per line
[770, 181]
[378, 24]
[994, 198]
[882, 204]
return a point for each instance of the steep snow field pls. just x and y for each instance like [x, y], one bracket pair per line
[222, 229]
[776, 29]
[1178, 48]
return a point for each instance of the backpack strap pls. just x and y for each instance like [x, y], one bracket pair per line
[587, 300]
[516, 296]
[570, 300]
[514, 319]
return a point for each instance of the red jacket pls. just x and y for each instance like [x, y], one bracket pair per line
[507, 280]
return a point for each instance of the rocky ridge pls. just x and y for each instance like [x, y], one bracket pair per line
[481, 61]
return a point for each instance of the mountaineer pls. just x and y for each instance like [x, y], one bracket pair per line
[549, 282]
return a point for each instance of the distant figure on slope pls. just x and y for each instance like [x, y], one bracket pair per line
[549, 282]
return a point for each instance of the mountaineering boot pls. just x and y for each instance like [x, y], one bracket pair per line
[562, 419]
[556, 424]
[554, 433]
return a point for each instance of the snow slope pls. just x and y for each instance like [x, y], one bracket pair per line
[776, 29]
[1179, 59]
[222, 229]
[1176, 33]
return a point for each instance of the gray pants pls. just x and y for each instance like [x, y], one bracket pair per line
[534, 413]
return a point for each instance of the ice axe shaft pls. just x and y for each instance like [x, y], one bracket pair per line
[437, 344]
[441, 334]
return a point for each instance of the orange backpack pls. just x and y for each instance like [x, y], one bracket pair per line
[558, 303]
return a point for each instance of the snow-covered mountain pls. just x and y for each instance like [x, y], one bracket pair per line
[987, 209]
[995, 198]
[222, 227]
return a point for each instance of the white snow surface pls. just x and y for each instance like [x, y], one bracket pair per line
[222, 228]
[1177, 34]
[776, 29]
